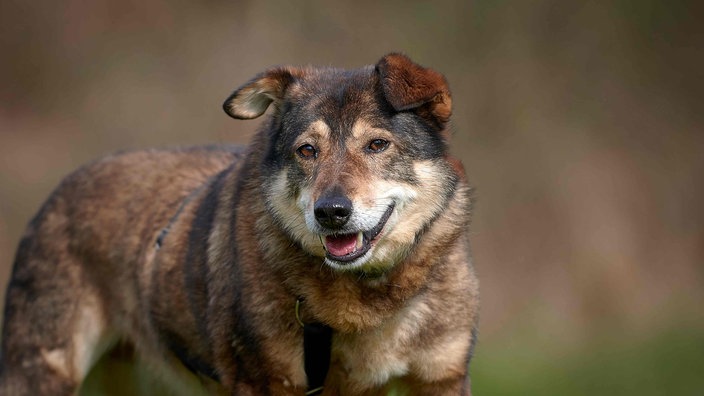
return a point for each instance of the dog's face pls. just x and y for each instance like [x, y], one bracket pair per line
[356, 160]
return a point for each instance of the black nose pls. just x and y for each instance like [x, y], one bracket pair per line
[333, 211]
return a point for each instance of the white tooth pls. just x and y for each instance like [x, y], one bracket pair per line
[360, 240]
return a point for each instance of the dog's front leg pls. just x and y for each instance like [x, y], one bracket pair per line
[447, 387]
[276, 389]
[339, 384]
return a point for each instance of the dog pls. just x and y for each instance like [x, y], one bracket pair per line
[329, 256]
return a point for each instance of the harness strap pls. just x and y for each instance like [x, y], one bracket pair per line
[317, 345]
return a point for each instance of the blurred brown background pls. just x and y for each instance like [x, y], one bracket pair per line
[581, 126]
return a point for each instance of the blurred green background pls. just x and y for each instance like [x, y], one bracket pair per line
[580, 124]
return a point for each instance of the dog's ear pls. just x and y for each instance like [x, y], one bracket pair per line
[409, 86]
[253, 98]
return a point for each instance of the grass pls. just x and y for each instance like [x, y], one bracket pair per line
[671, 363]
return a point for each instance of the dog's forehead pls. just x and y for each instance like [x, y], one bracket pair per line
[331, 89]
[338, 97]
[314, 80]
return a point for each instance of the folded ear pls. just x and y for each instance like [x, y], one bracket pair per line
[253, 98]
[409, 86]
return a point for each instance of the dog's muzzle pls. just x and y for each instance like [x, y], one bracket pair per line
[345, 248]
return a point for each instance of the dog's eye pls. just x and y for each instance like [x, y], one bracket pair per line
[377, 145]
[307, 151]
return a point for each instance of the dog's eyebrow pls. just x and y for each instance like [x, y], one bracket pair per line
[364, 125]
[320, 127]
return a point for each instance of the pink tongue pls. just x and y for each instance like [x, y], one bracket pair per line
[341, 245]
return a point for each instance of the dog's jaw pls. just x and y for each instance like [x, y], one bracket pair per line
[351, 251]
[347, 247]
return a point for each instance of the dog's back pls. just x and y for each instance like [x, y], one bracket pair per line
[81, 263]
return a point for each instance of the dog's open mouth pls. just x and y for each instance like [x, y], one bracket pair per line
[344, 248]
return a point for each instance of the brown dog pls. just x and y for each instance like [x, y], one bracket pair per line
[333, 248]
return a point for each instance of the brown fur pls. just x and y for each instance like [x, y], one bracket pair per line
[197, 256]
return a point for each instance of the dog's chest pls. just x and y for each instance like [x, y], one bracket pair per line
[374, 357]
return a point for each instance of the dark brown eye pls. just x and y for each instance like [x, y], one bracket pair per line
[307, 151]
[377, 145]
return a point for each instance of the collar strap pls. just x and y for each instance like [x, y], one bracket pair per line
[317, 344]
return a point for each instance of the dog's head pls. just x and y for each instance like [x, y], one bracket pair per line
[355, 160]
